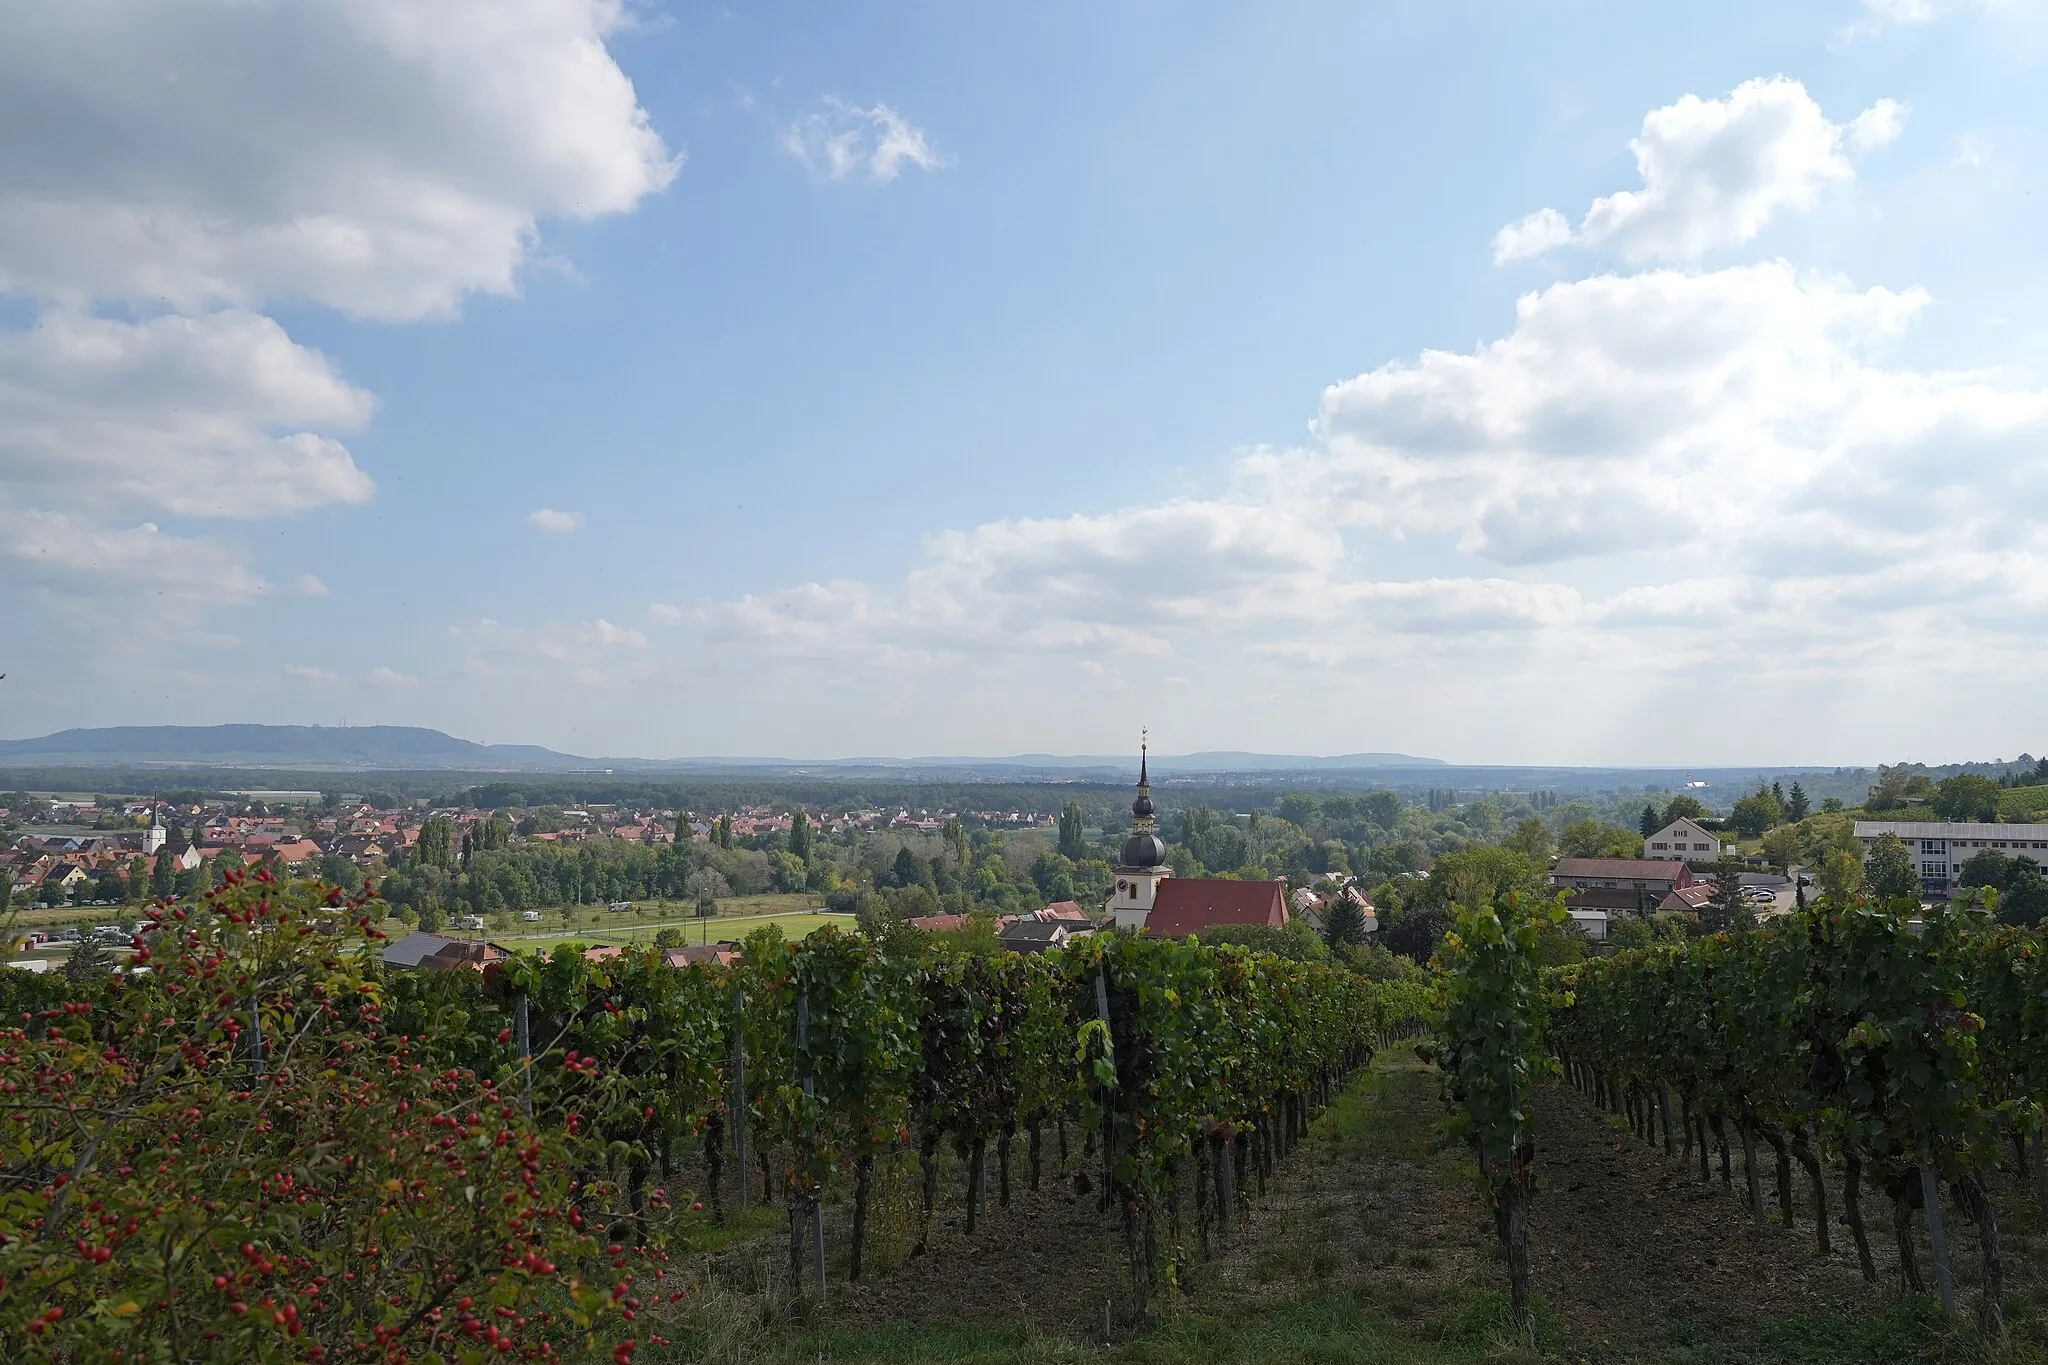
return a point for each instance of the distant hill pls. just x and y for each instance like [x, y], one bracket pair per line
[308, 747]
[410, 748]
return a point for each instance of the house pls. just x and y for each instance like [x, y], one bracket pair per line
[1941, 848]
[1633, 885]
[939, 924]
[721, 954]
[1687, 900]
[1193, 905]
[1680, 840]
[411, 950]
[1055, 926]
[463, 954]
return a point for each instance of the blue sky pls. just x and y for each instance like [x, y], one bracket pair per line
[532, 369]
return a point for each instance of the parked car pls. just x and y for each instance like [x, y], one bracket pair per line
[530, 916]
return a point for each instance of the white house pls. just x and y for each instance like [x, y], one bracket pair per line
[1941, 848]
[1682, 839]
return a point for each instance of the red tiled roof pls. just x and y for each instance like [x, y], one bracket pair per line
[939, 924]
[1188, 905]
[1066, 910]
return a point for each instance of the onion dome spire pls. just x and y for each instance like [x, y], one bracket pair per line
[1144, 849]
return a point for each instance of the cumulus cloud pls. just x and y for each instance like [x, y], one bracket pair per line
[554, 522]
[194, 163]
[1642, 461]
[841, 141]
[1715, 173]
[383, 157]
[385, 676]
[307, 673]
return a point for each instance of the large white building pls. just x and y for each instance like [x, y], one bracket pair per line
[1941, 848]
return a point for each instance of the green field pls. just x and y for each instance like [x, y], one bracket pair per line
[693, 930]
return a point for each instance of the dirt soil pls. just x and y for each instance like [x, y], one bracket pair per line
[1637, 1258]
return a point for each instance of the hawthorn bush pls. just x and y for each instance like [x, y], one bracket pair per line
[231, 1157]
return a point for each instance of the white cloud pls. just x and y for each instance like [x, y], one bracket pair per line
[553, 522]
[840, 141]
[385, 676]
[309, 585]
[215, 416]
[665, 612]
[383, 157]
[1715, 172]
[193, 164]
[98, 574]
[1646, 471]
[307, 673]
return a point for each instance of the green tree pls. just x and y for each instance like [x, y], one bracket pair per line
[1382, 808]
[1889, 870]
[1630, 931]
[1343, 922]
[1071, 846]
[1531, 839]
[1985, 867]
[1796, 805]
[162, 873]
[435, 846]
[800, 834]
[1757, 812]
[1966, 796]
[138, 879]
[1683, 808]
[1592, 839]
[2024, 898]
[1649, 822]
[1727, 910]
[89, 961]
[669, 938]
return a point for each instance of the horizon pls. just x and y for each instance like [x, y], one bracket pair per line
[1599, 384]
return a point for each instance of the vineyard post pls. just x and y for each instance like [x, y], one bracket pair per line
[1108, 1123]
[739, 1097]
[520, 1027]
[256, 1036]
[1937, 1236]
[811, 1192]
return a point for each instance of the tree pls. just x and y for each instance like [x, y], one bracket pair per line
[1382, 808]
[2024, 899]
[1417, 933]
[708, 887]
[1889, 870]
[89, 961]
[1592, 839]
[1757, 812]
[1343, 922]
[1985, 867]
[908, 869]
[1966, 796]
[1683, 808]
[1897, 785]
[161, 873]
[138, 879]
[435, 846]
[669, 938]
[1630, 931]
[1531, 839]
[1796, 805]
[1727, 910]
[1071, 846]
[800, 834]
[1649, 822]
[1782, 846]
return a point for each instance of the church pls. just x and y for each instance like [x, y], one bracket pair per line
[1150, 899]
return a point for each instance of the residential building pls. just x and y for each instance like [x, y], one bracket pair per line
[1609, 884]
[413, 949]
[1680, 840]
[1941, 848]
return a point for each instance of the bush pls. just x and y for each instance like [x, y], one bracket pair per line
[230, 1159]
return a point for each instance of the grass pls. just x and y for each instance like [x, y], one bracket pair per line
[622, 930]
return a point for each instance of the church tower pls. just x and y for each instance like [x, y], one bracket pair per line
[1142, 865]
[153, 838]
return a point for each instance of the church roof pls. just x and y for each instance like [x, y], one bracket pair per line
[1189, 905]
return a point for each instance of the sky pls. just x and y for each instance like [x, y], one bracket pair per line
[1578, 383]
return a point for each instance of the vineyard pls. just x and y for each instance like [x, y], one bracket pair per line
[1874, 1046]
[268, 1148]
